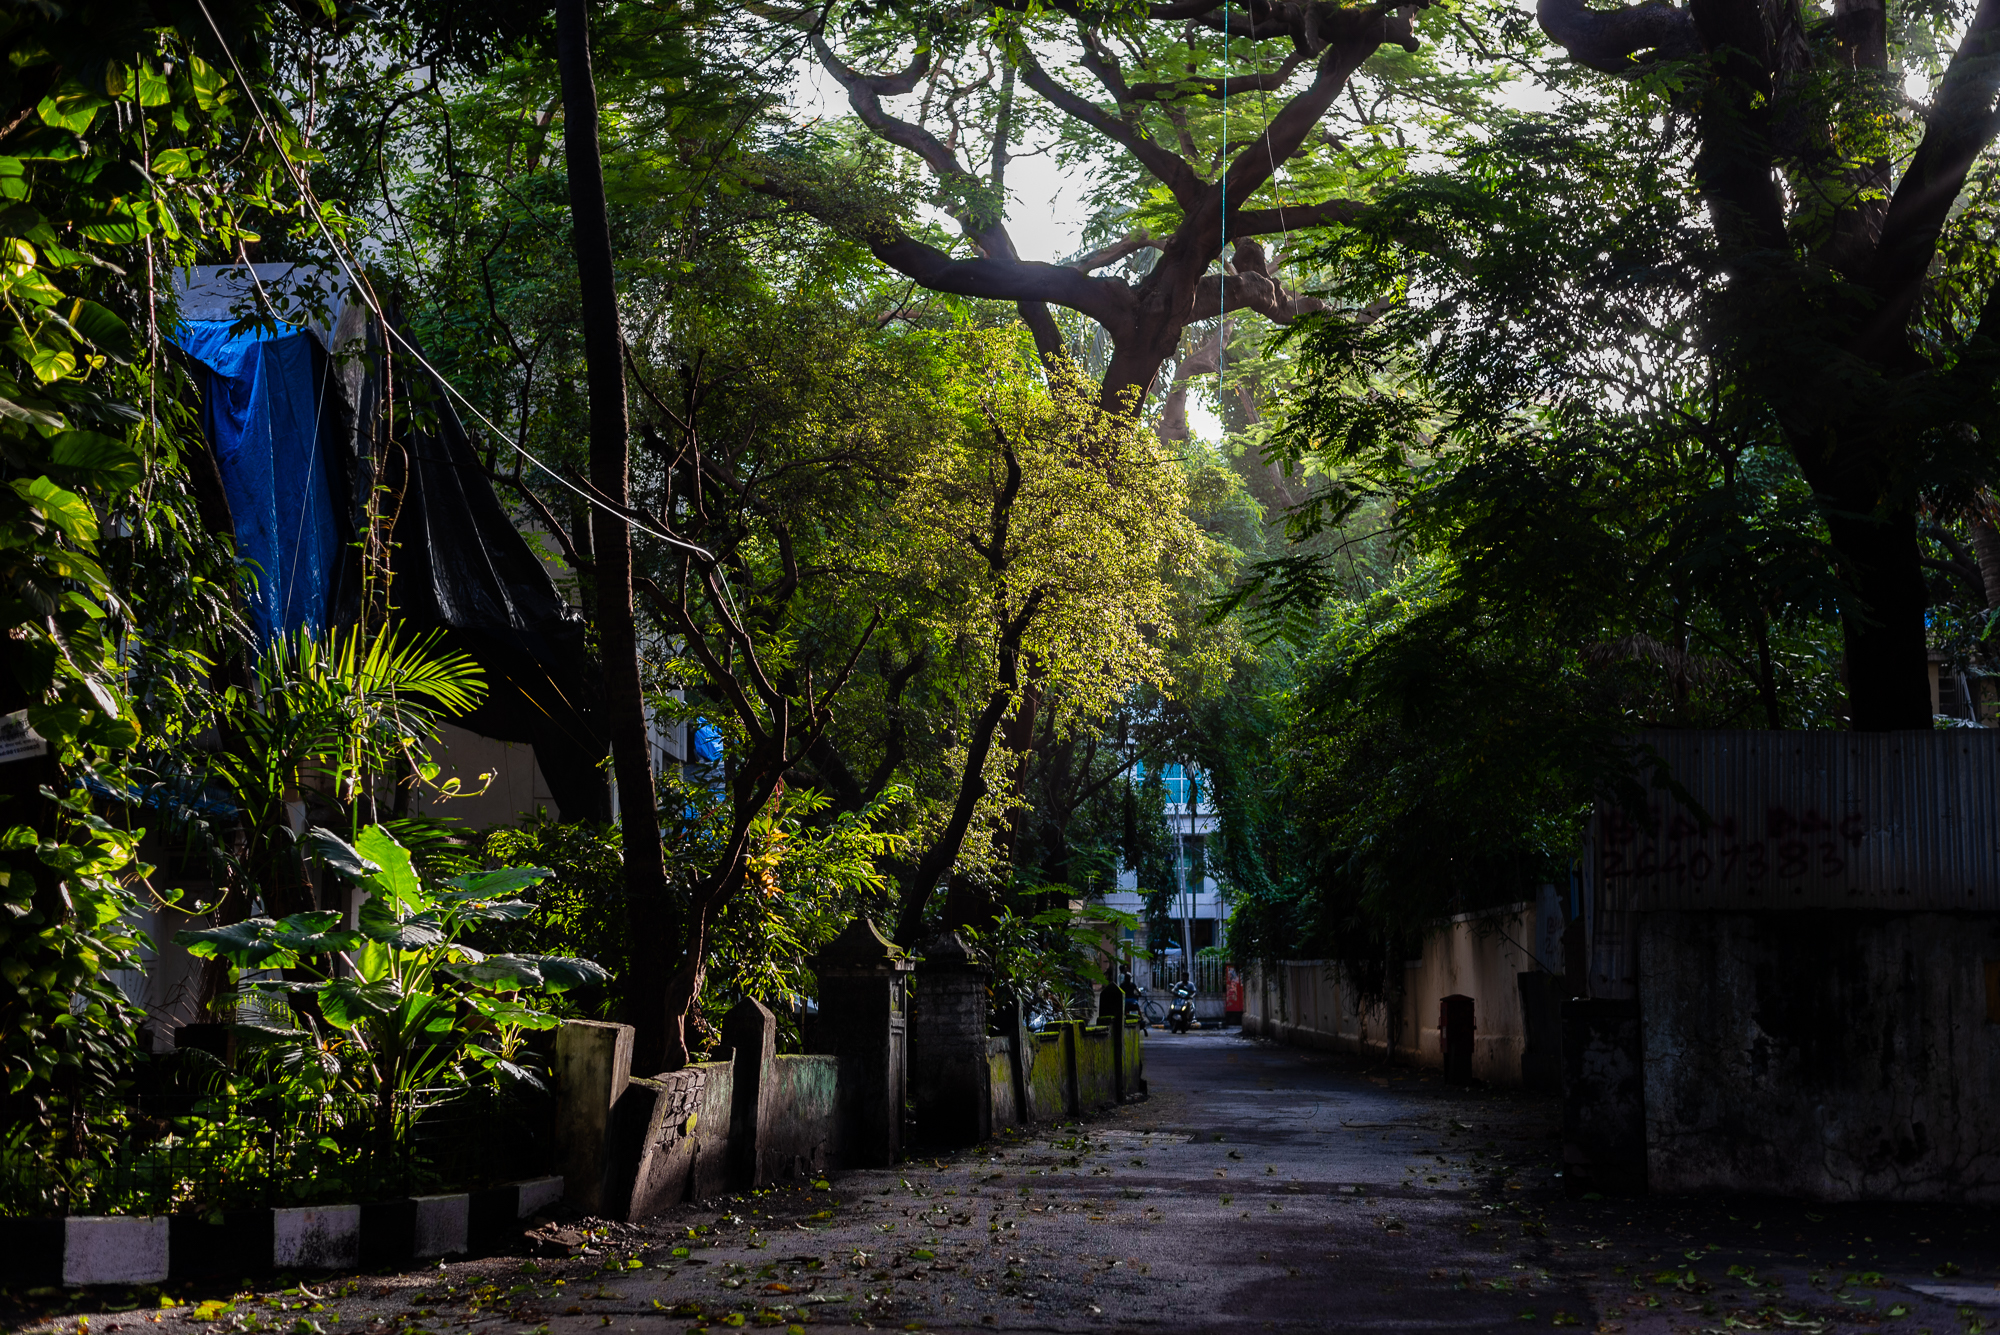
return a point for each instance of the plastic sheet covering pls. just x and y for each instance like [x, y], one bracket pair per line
[264, 415]
[460, 564]
[291, 427]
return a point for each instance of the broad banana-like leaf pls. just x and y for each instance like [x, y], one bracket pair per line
[249, 944]
[473, 909]
[423, 1013]
[506, 1010]
[338, 854]
[521, 1073]
[499, 972]
[315, 933]
[375, 961]
[560, 973]
[418, 932]
[395, 881]
[348, 1002]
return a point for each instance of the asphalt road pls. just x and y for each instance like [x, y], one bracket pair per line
[1258, 1188]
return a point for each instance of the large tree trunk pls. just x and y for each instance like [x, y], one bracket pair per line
[647, 908]
[1888, 687]
[1152, 331]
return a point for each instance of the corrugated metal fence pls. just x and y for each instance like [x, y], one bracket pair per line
[1823, 820]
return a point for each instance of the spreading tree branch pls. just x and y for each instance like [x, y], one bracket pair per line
[1612, 39]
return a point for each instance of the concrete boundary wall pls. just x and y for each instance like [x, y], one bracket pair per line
[1064, 1071]
[1051, 1075]
[641, 1144]
[1307, 1003]
[1820, 1055]
[747, 1120]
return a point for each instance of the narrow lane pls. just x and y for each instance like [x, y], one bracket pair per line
[1257, 1188]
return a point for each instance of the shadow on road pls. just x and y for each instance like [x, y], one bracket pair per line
[1258, 1188]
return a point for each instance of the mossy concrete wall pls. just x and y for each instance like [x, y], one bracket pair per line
[1000, 1078]
[671, 1140]
[1051, 1087]
[800, 1136]
[1096, 1076]
[681, 1135]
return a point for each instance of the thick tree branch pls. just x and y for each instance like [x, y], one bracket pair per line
[895, 747]
[1180, 179]
[1116, 251]
[1106, 300]
[1962, 124]
[1268, 81]
[1611, 39]
[865, 94]
[1967, 575]
[1254, 292]
[577, 559]
[1736, 170]
[1290, 218]
[972, 786]
[675, 613]
[1362, 35]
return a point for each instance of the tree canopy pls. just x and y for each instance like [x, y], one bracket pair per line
[1439, 396]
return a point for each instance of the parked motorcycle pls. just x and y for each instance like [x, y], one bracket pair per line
[1180, 1015]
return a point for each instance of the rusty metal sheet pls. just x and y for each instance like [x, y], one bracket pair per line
[1825, 820]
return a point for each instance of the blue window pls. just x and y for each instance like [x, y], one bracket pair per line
[1179, 781]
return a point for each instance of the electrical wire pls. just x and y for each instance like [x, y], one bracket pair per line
[1222, 255]
[368, 298]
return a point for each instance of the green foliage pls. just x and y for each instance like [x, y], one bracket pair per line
[810, 871]
[403, 1004]
[580, 908]
[109, 588]
[67, 1029]
[338, 711]
[1594, 536]
[807, 878]
[1052, 962]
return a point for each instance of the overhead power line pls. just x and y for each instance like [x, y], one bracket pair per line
[367, 296]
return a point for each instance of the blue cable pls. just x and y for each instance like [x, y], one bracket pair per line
[1222, 255]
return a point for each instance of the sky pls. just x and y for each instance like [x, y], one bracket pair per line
[1046, 211]
[1045, 206]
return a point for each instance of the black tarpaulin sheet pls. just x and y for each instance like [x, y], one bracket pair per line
[460, 564]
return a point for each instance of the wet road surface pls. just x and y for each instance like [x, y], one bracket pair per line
[1257, 1188]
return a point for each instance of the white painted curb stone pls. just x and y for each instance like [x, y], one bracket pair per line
[439, 1228]
[316, 1237]
[538, 1193]
[114, 1249]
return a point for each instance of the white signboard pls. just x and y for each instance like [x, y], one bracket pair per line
[18, 741]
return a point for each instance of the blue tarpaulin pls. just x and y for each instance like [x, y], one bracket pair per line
[293, 430]
[262, 415]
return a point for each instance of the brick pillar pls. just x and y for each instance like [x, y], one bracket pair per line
[863, 1020]
[950, 1077]
[751, 1032]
